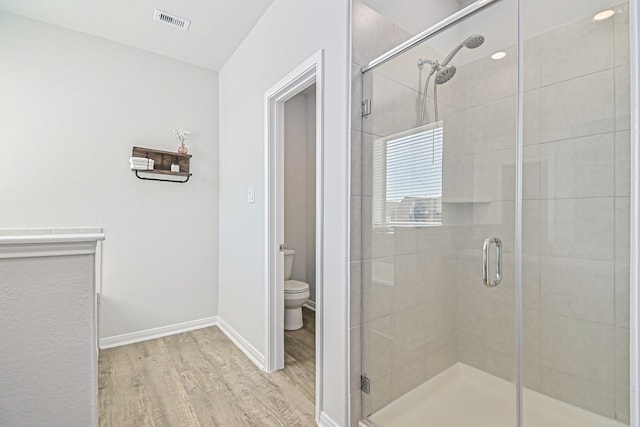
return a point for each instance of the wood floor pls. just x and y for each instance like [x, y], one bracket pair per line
[201, 378]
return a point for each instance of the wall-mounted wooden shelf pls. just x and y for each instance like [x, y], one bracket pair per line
[162, 164]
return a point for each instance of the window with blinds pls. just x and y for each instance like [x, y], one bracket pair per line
[407, 178]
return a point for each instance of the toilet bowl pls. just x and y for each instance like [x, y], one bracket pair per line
[296, 293]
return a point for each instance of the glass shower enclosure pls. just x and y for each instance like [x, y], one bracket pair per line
[495, 221]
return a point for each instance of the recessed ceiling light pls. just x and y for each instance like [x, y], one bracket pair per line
[498, 55]
[600, 16]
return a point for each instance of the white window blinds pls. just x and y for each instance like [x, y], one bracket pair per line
[407, 173]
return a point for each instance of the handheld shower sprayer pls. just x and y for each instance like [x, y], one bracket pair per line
[444, 72]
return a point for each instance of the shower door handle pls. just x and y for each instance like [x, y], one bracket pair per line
[485, 262]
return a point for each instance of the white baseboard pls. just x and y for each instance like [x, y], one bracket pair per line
[250, 351]
[164, 331]
[326, 421]
[311, 305]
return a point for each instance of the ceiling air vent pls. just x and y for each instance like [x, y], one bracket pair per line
[172, 20]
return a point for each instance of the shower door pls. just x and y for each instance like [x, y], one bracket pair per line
[484, 302]
[438, 211]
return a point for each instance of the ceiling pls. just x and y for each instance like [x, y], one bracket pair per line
[217, 26]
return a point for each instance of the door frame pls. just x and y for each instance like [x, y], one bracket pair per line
[302, 77]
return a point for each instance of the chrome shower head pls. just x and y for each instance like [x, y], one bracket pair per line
[473, 41]
[445, 74]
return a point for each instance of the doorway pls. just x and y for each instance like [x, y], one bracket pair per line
[300, 82]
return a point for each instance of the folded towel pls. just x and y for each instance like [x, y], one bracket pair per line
[138, 159]
[138, 162]
[140, 167]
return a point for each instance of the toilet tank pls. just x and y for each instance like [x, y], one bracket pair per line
[288, 263]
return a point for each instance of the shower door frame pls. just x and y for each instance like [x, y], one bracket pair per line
[634, 283]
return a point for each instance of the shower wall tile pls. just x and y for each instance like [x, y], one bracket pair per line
[356, 409]
[500, 364]
[580, 167]
[499, 118]
[578, 228]
[355, 293]
[437, 279]
[378, 346]
[580, 348]
[394, 107]
[404, 70]
[468, 272]
[494, 176]
[471, 353]
[441, 321]
[376, 243]
[377, 288]
[469, 91]
[532, 64]
[622, 229]
[622, 374]
[623, 413]
[498, 320]
[531, 281]
[356, 163]
[458, 179]
[502, 74]
[531, 373]
[405, 241]
[380, 395]
[355, 242]
[531, 348]
[622, 281]
[408, 282]
[373, 34]
[464, 132]
[623, 163]
[409, 331]
[531, 112]
[532, 162]
[623, 100]
[578, 107]
[355, 336]
[621, 32]
[598, 398]
[581, 48]
[367, 165]
[407, 377]
[435, 239]
[356, 97]
[470, 316]
[577, 288]
[442, 354]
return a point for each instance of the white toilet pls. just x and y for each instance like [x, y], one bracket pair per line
[296, 293]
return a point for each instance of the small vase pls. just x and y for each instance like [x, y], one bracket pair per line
[182, 149]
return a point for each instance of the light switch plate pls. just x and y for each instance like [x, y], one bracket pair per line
[251, 195]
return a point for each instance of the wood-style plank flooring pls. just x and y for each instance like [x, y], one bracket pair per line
[201, 378]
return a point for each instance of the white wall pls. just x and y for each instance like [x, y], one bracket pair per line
[290, 32]
[299, 185]
[72, 107]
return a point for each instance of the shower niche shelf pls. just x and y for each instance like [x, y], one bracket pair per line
[162, 165]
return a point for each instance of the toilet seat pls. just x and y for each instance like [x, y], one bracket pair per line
[295, 287]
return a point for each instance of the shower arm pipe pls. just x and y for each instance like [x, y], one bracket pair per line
[429, 32]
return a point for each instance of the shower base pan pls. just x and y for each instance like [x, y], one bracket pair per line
[465, 396]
